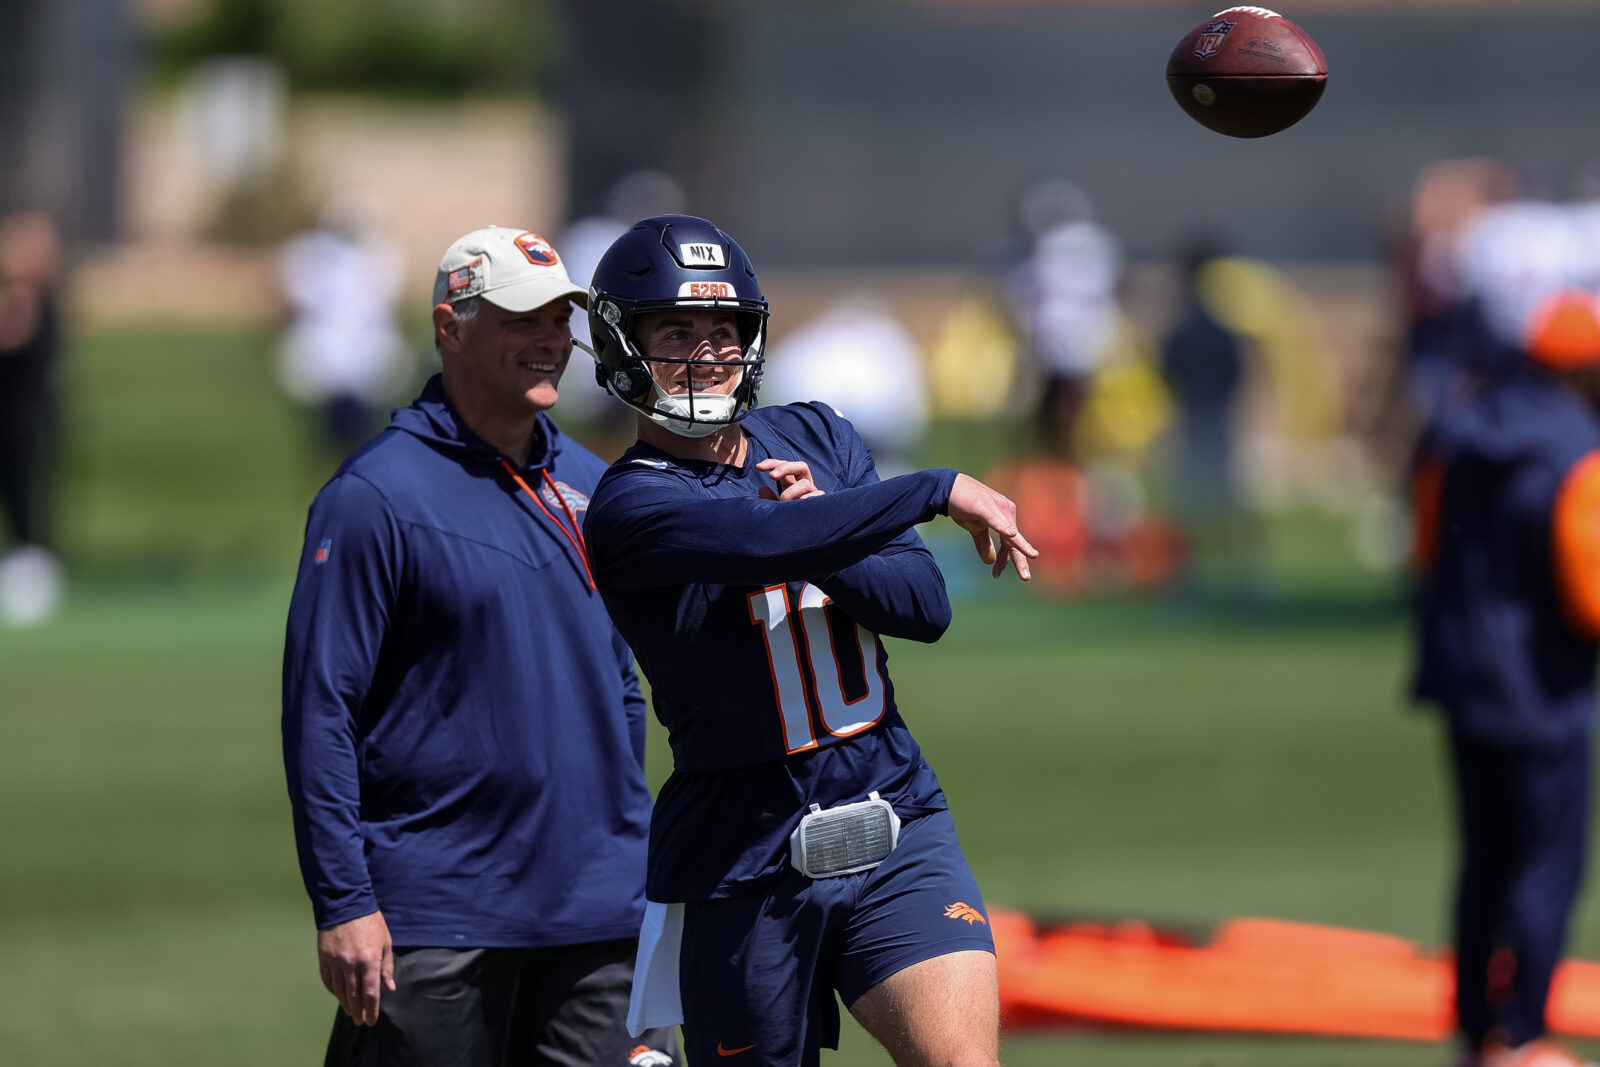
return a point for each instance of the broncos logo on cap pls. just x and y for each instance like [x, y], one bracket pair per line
[537, 249]
[962, 910]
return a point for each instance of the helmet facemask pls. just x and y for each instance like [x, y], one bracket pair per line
[637, 379]
[684, 263]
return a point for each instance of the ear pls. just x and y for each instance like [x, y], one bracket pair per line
[446, 328]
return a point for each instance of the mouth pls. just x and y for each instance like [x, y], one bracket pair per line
[538, 368]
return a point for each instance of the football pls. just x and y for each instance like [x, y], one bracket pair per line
[1247, 72]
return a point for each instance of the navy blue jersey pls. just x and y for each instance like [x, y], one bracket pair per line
[757, 623]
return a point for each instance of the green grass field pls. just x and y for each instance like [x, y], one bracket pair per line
[1105, 760]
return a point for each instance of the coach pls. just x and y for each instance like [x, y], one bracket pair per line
[463, 732]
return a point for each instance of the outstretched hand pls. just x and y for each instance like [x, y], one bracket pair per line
[793, 478]
[982, 512]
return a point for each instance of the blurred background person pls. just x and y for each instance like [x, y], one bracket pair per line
[1507, 616]
[1511, 258]
[859, 358]
[1447, 199]
[1063, 293]
[1202, 364]
[31, 577]
[342, 354]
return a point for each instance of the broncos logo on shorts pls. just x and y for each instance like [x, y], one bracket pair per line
[963, 910]
[645, 1056]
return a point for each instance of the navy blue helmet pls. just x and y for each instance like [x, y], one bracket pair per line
[674, 261]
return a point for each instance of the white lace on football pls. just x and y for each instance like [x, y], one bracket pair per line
[1263, 12]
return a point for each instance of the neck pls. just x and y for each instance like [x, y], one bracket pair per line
[727, 445]
[511, 434]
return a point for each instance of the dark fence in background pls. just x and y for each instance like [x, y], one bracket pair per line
[887, 133]
[65, 67]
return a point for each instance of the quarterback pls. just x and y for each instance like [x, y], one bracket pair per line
[754, 560]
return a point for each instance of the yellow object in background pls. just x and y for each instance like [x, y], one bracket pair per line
[972, 365]
[1128, 406]
[1261, 303]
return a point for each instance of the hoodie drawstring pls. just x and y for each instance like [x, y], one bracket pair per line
[574, 535]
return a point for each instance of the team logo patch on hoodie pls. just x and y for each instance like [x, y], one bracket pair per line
[323, 551]
[569, 496]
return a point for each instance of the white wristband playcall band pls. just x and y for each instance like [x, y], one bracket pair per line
[844, 839]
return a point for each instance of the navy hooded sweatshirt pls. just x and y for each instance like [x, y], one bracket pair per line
[1501, 647]
[463, 731]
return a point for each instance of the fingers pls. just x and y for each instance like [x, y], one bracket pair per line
[357, 987]
[371, 991]
[793, 476]
[356, 962]
[1017, 549]
[796, 491]
[337, 978]
[800, 490]
[989, 516]
[980, 538]
[785, 469]
[350, 1001]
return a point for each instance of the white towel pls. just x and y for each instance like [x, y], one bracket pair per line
[655, 1000]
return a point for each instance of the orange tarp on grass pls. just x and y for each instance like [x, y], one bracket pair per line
[1262, 975]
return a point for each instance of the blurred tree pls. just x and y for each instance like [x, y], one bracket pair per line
[405, 47]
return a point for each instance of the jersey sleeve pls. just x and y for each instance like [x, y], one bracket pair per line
[898, 590]
[338, 616]
[1575, 526]
[645, 528]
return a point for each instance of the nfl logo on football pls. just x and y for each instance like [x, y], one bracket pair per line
[1209, 43]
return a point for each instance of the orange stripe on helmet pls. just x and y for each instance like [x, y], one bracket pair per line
[1575, 528]
[1565, 332]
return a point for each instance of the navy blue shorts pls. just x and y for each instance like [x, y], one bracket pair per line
[758, 973]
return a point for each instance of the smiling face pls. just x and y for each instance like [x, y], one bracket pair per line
[706, 339]
[506, 365]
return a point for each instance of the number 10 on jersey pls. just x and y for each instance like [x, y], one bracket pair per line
[770, 609]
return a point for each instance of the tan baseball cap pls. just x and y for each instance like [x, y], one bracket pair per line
[514, 269]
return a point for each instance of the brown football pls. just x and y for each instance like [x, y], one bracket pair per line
[1247, 72]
